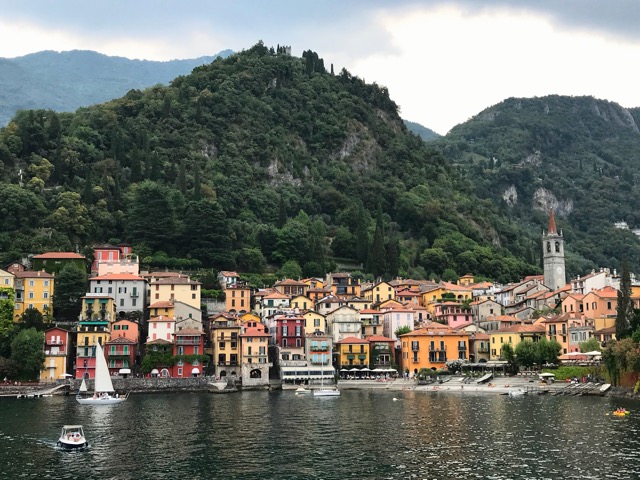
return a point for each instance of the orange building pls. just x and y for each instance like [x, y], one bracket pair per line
[432, 347]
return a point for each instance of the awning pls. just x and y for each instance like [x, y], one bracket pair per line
[125, 371]
[155, 372]
[195, 371]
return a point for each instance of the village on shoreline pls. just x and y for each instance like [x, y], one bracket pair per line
[308, 331]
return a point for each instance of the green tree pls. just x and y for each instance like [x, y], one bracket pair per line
[525, 353]
[27, 351]
[402, 331]
[290, 269]
[32, 318]
[151, 217]
[362, 234]
[624, 310]
[376, 262]
[591, 345]
[71, 285]
[207, 234]
[251, 260]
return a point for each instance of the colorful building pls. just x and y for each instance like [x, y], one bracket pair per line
[432, 347]
[225, 339]
[513, 335]
[353, 353]
[254, 340]
[33, 289]
[57, 342]
[54, 262]
[237, 299]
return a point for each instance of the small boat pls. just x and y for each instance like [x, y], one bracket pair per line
[72, 438]
[302, 391]
[104, 393]
[621, 412]
[326, 392]
[520, 392]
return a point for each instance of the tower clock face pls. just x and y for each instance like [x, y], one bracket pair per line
[559, 269]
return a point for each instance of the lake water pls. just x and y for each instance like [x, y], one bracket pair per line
[360, 435]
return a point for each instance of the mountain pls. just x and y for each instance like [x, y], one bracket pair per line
[260, 158]
[65, 81]
[576, 155]
[423, 132]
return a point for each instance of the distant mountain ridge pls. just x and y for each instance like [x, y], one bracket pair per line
[65, 81]
[423, 132]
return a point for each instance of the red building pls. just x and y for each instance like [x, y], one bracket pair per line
[187, 341]
[121, 354]
[289, 331]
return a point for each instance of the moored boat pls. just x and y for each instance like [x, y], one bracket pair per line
[104, 393]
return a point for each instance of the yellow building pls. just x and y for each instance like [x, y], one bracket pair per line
[379, 292]
[56, 353]
[7, 279]
[164, 309]
[225, 341]
[314, 322]
[176, 288]
[432, 347]
[513, 335]
[302, 303]
[34, 289]
[353, 352]
[94, 326]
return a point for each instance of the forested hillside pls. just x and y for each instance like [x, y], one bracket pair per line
[260, 158]
[577, 155]
[64, 81]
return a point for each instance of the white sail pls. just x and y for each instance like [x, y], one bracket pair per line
[83, 386]
[103, 378]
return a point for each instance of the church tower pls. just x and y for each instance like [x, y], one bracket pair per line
[553, 256]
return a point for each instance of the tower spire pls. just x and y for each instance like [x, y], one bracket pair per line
[552, 223]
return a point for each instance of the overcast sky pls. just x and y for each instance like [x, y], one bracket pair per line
[442, 61]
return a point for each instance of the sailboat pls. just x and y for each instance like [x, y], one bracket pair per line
[325, 392]
[104, 393]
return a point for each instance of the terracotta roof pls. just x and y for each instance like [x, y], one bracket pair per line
[250, 331]
[179, 280]
[65, 255]
[162, 274]
[161, 318]
[606, 330]
[162, 304]
[229, 274]
[479, 336]
[351, 340]
[33, 274]
[118, 277]
[159, 341]
[537, 328]
[378, 338]
[188, 332]
[276, 295]
[606, 292]
[119, 340]
[558, 318]
[369, 311]
[288, 281]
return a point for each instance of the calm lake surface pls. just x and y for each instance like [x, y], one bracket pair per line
[360, 435]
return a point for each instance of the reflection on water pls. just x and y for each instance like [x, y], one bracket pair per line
[360, 435]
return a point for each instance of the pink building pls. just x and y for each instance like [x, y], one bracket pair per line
[452, 314]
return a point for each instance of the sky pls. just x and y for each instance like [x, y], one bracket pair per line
[443, 61]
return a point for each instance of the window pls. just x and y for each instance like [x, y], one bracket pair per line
[122, 302]
[195, 350]
[133, 302]
[180, 350]
[116, 327]
[557, 247]
[45, 295]
[31, 295]
[179, 372]
[31, 283]
[46, 283]
[193, 296]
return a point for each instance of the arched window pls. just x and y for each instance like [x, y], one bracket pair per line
[548, 247]
[557, 247]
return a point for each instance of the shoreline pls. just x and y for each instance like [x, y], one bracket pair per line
[454, 384]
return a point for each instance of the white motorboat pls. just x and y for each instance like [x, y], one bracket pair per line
[104, 393]
[72, 438]
[302, 391]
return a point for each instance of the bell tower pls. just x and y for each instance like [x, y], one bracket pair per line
[553, 256]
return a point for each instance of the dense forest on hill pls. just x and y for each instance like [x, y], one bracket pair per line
[577, 155]
[65, 81]
[254, 160]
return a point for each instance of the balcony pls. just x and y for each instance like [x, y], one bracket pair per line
[134, 294]
[226, 338]
[320, 362]
[415, 359]
[118, 353]
[187, 341]
[442, 348]
[320, 348]
[293, 363]
[483, 350]
[227, 364]
[59, 353]
[53, 341]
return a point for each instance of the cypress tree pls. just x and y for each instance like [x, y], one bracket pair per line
[624, 310]
[376, 263]
[362, 235]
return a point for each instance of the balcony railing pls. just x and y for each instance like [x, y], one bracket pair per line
[293, 363]
[53, 341]
[415, 348]
[415, 359]
[320, 348]
[187, 341]
[226, 338]
[227, 364]
[433, 348]
[320, 362]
